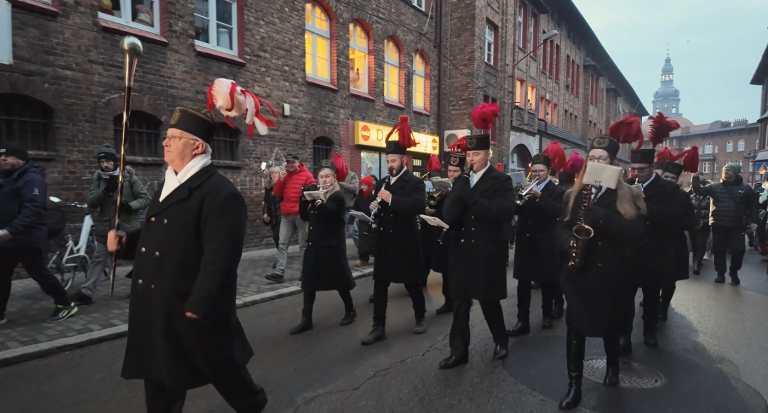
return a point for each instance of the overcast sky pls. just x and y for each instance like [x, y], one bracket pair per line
[715, 47]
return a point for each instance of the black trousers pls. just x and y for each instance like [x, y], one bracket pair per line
[726, 239]
[494, 317]
[651, 303]
[380, 293]
[309, 301]
[447, 289]
[33, 261]
[551, 294]
[666, 295]
[699, 239]
[238, 390]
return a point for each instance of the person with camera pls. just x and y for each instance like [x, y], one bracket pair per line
[23, 234]
[103, 197]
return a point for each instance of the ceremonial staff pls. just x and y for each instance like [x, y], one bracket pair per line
[132, 49]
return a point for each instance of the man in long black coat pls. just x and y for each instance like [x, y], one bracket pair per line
[183, 330]
[399, 257]
[479, 209]
[537, 258]
[654, 254]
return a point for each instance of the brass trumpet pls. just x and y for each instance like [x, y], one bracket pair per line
[434, 197]
[521, 197]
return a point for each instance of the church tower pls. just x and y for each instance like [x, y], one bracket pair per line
[667, 99]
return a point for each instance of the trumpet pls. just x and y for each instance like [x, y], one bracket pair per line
[434, 197]
[522, 196]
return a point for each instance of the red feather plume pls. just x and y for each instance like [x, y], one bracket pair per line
[404, 133]
[627, 130]
[499, 167]
[665, 154]
[575, 164]
[484, 115]
[459, 146]
[691, 161]
[556, 154]
[661, 127]
[434, 164]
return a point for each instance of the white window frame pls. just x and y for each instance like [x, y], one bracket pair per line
[741, 144]
[419, 4]
[423, 74]
[520, 17]
[707, 148]
[705, 167]
[213, 33]
[394, 63]
[314, 31]
[729, 146]
[490, 47]
[353, 44]
[717, 148]
[530, 31]
[716, 167]
[125, 5]
[6, 33]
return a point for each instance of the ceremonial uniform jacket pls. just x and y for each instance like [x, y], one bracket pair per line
[366, 245]
[430, 236]
[186, 260]
[600, 293]
[325, 260]
[686, 222]
[537, 255]
[479, 217]
[398, 247]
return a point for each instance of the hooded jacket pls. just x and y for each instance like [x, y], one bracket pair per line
[23, 195]
[133, 192]
[733, 203]
[289, 188]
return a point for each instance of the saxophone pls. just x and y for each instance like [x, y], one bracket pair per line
[581, 231]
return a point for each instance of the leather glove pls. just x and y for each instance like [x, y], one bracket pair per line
[111, 185]
[126, 206]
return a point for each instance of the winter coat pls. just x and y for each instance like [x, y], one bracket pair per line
[398, 249]
[23, 195]
[133, 193]
[479, 245]
[536, 251]
[430, 237]
[186, 260]
[686, 222]
[271, 206]
[349, 189]
[600, 294]
[289, 188]
[325, 261]
[701, 208]
[733, 203]
[366, 244]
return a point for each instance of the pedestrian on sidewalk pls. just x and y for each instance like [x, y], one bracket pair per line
[270, 213]
[288, 187]
[733, 208]
[183, 330]
[103, 197]
[700, 233]
[23, 234]
[366, 245]
[349, 183]
[325, 262]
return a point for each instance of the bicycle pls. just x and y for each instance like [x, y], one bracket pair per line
[65, 257]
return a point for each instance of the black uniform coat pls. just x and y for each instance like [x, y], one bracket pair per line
[537, 255]
[479, 217]
[186, 260]
[398, 248]
[686, 222]
[366, 245]
[599, 294]
[325, 260]
[430, 239]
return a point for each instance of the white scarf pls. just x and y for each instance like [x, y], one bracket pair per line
[106, 175]
[174, 180]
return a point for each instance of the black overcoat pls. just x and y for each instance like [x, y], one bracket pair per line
[480, 217]
[430, 239]
[186, 260]
[686, 222]
[537, 255]
[398, 248]
[366, 245]
[600, 293]
[325, 260]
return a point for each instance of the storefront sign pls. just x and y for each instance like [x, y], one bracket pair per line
[762, 167]
[370, 134]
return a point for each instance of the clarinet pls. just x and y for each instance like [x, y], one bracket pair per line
[378, 201]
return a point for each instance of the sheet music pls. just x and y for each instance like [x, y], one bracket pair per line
[599, 174]
[434, 221]
[315, 195]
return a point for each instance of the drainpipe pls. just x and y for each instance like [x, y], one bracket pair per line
[439, 42]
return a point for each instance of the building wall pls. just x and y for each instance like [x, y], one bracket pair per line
[75, 67]
[719, 155]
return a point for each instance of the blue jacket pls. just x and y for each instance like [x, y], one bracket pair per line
[22, 207]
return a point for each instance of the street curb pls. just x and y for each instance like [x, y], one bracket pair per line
[36, 351]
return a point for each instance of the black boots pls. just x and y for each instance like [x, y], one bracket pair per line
[625, 345]
[376, 334]
[349, 318]
[697, 268]
[612, 350]
[500, 352]
[446, 308]
[575, 359]
[520, 329]
[453, 361]
[649, 338]
[305, 324]
[663, 311]
[720, 279]
[547, 322]
[735, 278]
[558, 311]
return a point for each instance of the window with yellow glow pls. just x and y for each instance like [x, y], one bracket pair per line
[391, 71]
[419, 74]
[358, 58]
[317, 43]
[531, 97]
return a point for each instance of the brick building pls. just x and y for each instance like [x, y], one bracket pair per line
[760, 78]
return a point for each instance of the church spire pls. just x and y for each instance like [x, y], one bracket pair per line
[667, 99]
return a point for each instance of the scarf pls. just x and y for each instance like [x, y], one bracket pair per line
[106, 175]
[174, 180]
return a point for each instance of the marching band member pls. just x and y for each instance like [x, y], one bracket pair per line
[599, 291]
[398, 250]
[430, 234]
[479, 208]
[325, 260]
[536, 252]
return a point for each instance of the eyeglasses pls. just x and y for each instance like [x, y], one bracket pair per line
[641, 169]
[178, 138]
[598, 159]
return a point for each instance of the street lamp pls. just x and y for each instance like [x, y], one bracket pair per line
[547, 37]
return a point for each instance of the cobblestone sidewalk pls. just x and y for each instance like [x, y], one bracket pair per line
[29, 307]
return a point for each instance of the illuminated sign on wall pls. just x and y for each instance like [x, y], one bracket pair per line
[371, 134]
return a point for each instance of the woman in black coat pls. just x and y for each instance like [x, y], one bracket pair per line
[599, 292]
[270, 213]
[325, 259]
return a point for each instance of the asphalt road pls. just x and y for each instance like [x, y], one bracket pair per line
[711, 359]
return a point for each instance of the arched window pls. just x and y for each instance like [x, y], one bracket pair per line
[729, 146]
[225, 143]
[25, 122]
[742, 143]
[391, 71]
[420, 82]
[143, 135]
[358, 58]
[317, 43]
[321, 149]
[708, 147]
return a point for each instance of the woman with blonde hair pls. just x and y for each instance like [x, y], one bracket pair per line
[599, 291]
[270, 213]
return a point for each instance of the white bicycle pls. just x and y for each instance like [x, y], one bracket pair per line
[68, 259]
